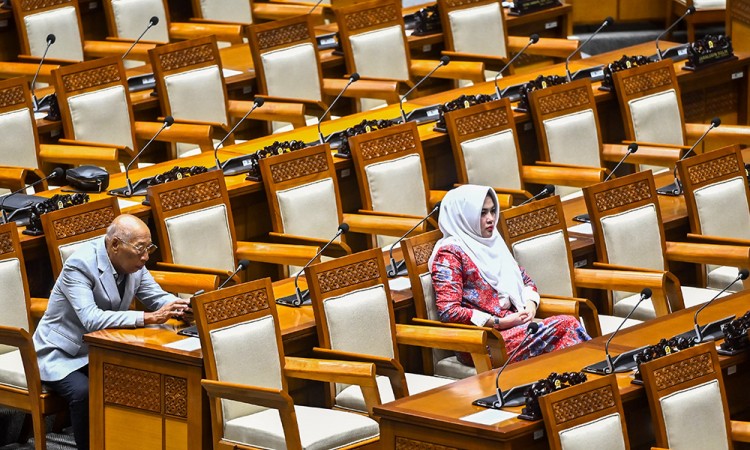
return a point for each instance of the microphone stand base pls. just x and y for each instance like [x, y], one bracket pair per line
[584, 218]
[512, 397]
[140, 187]
[709, 332]
[400, 269]
[671, 190]
[191, 331]
[623, 362]
[290, 300]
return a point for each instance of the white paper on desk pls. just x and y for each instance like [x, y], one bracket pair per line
[489, 416]
[571, 239]
[399, 284]
[229, 72]
[122, 203]
[188, 344]
[584, 228]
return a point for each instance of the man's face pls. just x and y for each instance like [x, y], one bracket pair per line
[130, 255]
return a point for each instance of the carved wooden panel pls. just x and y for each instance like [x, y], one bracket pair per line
[683, 371]
[388, 145]
[559, 101]
[186, 57]
[701, 105]
[134, 388]
[236, 305]
[90, 78]
[457, 3]
[353, 274]
[190, 195]
[403, 443]
[647, 81]
[87, 222]
[175, 396]
[623, 195]
[299, 167]
[483, 120]
[372, 17]
[583, 404]
[532, 221]
[283, 36]
[6, 243]
[714, 168]
[422, 252]
[32, 5]
[740, 11]
[11, 96]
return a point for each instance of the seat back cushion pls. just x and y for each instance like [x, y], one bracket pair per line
[688, 430]
[197, 95]
[492, 160]
[132, 17]
[17, 146]
[479, 30]
[389, 181]
[227, 10]
[381, 53]
[721, 209]
[604, 433]
[657, 118]
[425, 280]
[13, 299]
[309, 210]
[202, 238]
[102, 116]
[68, 249]
[63, 23]
[573, 139]
[292, 72]
[545, 258]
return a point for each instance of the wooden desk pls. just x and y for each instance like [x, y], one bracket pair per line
[432, 419]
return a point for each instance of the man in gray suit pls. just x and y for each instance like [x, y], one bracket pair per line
[93, 292]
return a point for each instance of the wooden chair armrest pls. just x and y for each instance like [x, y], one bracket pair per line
[271, 11]
[183, 282]
[267, 252]
[495, 341]
[38, 308]
[22, 69]
[189, 30]
[490, 61]
[549, 307]
[608, 266]
[586, 311]
[370, 212]
[646, 154]
[271, 111]
[122, 148]
[459, 340]
[381, 224]
[554, 47]
[508, 191]
[721, 136]
[107, 157]
[334, 250]
[707, 239]
[192, 269]
[53, 61]
[566, 176]
[215, 125]
[723, 255]
[100, 49]
[388, 367]
[282, 101]
[364, 88]
[199, 134]
[657, 144]
[436, 196]
[15, 178]
[456, 70]
[740, 430]
[261, 396]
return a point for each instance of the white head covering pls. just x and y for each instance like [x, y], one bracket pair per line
[460, 217]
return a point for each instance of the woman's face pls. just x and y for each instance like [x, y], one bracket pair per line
[489, 214]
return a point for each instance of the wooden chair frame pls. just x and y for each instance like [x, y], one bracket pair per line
[676, 9]
[445, 7]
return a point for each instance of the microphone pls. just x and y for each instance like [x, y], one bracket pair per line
[352, 78]
[397, 267]
[607, 22]
[168, 121]
[742, 275]
[548, 189]
[316, 5]
[632, 148]
[530, 331]
[257, 103]
[151, 22]
[57, 173]
[444, 60]
[676, 187]
[50, 40]
[645, 293]
[299, 296]
[533, 39]
[241, 265]
[690, 10]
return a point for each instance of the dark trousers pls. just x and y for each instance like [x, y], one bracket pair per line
[74, 388]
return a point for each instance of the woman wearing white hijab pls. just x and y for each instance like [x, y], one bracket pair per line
[477, 280]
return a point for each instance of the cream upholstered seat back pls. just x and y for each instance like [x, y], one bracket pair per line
[604, 433]
[574, 139]
[545, 258]
[63, 23]
[202, 238]
[12, 301]
[131, 17]
[102, 116]
[619, 231]
[719, 211]
[18, 146]
[197, 95]
[707, 4]
[389, 181]
[657, 118]
[226, 10]
[479, 30]
[381, 53]
[492, 160]
[688, 430]
[309, 209]
[292, 72]
[68, 249]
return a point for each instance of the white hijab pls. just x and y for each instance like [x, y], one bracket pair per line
[460, 217]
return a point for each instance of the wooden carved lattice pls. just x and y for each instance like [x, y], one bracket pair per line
[11, 96]
[714, 168]
[483, 120]
[83, 223]
[190, 195]
[583, 404]
[622, 195]
[533, 221]
[372, 17]
[6, 243]
[353, 274]
[740, 11]
[236, 305]
[300, 167]
[33, 5]
[457, 3]
[186, 57]
[175, 396]
[422, 252]
[683, 371]
[647, 81]
[134, 388]
[560, 101]
[90, 78]
[283, 36]
[387, 145]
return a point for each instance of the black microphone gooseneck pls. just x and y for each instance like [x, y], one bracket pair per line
[533, 39]
[352, 78]
[715, 122]
[50, 40]
[742, 275]
[689, 11]
[548, 189]
[316, 5]
[607, 22]
[257, 103]
[645, 293]
[343, 229]
[444, 60]
[151, 22]
[632, 148]
[168, 121]
[530, 331]
[394, 270]
[58, 172]
[241, 265]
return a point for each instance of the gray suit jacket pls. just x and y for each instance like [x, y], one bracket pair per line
[85, 299]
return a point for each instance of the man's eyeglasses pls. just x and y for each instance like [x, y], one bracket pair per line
[140, 249]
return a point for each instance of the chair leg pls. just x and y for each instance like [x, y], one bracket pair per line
[40, 432]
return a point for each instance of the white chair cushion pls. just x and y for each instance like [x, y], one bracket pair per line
[604, 433]
[389, 180]
[609, 324]
[202, 238]
[573, 139]
[707, 4]
[492, 160]
[11, 369]
[619, 231]
[13, 298]
[197, 95]
[688, 430]
[451, 367]
[691, 296]
[319, 429]
[63, 23]
[351, 397]
[428, 291]
[309, 209]
[292, 72]
[227, 10]
[381, 53]
[545, 258]
[132, 17]
[17, 147]
[722, 210]
[479, 30]
[657, 118]
[68, 249]
[246, 353]
[719, 277]
[102, 116]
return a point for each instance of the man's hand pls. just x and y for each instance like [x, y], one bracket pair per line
[175, 309]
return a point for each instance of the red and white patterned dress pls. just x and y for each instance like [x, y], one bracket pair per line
[460, 289]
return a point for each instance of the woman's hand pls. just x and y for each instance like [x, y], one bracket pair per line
[514, 319]
[531, 309]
